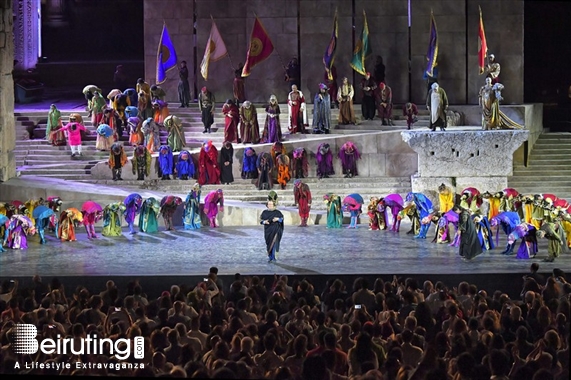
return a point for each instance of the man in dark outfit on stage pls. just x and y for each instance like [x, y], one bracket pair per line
[273, 221]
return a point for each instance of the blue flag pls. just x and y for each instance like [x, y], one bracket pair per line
[432, 53]
[166, 56]
[329, 55]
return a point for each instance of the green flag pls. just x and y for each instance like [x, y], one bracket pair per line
[362, 49]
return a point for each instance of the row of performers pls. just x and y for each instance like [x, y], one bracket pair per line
[18, 221]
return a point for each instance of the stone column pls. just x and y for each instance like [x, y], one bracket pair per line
[461, 159]
[26, 33]
[7, 132]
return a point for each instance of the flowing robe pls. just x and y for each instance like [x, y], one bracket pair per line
[302, 196]
[191, 218]
[346, 110]
[231, 120]
[297, 112]
[272, 128]
[208, 172]
[321, 113]
[273, 231]
[249, 127]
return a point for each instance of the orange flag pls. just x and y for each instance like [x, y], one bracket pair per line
[261, 47]
[483, 45]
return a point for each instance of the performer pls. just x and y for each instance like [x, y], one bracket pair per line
[73, 130]
[437, 104]
[133, 203]
[165, 163]
[66, 225]
[143, 86]
[105, 137]
[183, 85]
[169, 204]
[554, 234]
[277, 149]
[489, 99]
[141, 162]
[265, 165]
[273, 222]
[148, 218]
[41, 224]
[424, 208]
[345, 99]
[445, 198]
[272, 128]
[185, 166]
[175, 139]
[98, 105]
[120, 103]
[225, 163]
[324, 159]
[321, 111]
[191, 216]
[332, 86]
[54, 203]
[53, 129]
[334, 210]
[134, 124]
[239, 88]
[160, 111]
[231, 120]
[410, 111]
[88, 92]
[300, 164]
[150, 130]
[249, 164]
[112, 219]
[273, 196]
[484, 231]
[376, 219]
[447, 229]
[508, 221]
[297, 111]
[528, 247]
[353, 204]
[206, 103]
[89, 220]
[117, 159]
[208, 170]
[249, 127]
[470, 246]
[349, 156]
[394, 203]
[471, 199]
[133, 98]
[17, 231]
[385, 106]
[493, 69]
[284, 172]
[211, 207]
[145, 106]
[302, 198]
[368, 87]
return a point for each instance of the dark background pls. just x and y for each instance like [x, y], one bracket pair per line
[112, 30]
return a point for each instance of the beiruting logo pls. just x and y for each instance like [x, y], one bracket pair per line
[26, 342]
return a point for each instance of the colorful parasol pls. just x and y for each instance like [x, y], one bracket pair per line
[353, 201]
[23, 219]
[91, 207]
[42, 212]
[17, 203]
[132, 199]
[76, 215]
[510, 192]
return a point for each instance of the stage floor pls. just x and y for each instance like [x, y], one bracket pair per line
[315, 250]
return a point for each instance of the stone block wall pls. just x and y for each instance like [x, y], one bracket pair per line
[7, 131]
[305, 32]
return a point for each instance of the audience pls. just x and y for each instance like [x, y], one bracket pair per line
[396, 330]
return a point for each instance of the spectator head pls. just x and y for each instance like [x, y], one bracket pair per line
[270, 342]
[213, 270]
[406, 336]
[329, 340]
[314, 368]
[410, 322]
[246, 344]
[534, 267]
[499, 362]
[465, 364]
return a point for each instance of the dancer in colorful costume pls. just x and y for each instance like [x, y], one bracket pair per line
[484, 231]
[349, 156]
[231, 120]
[353, 203]
[208, 170]
[191, 217]
[376, 219]
[555, 236]
[185, 166]
[470, 245]
[508, 221]
[272, 128]
[211, 207]
[445, 198]
[117, 159]
[112, 219]
[424, 207]
[151, 132]
[284, 173]
[175, 139]
[92, 213]
[393, 203]
[249, 164]
[273, 221]
[133, 203]
[67, 220]
[148, 218]
[324, 159]
[42, 216]
[141, 162]
[165, 162]
[447, 229]
[249, 127]
[334, 210]
[528, 247]
[410, 111]
[54, 134]
[105, 137]
[169, 204]
[302, 198]
[19, 228]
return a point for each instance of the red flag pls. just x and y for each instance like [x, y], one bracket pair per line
[261, 47]
[482, 45]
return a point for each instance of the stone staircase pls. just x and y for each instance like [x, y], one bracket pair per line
[549, 168]
[35, 156]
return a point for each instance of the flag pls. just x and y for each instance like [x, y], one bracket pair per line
[432, 53]
[329, 55]
[215, 49]
[362, 50]
[482, 45]
[261, 47]
[166, 56]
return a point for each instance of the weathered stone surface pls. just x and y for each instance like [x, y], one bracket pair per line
[7, 131]
[461, 154]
